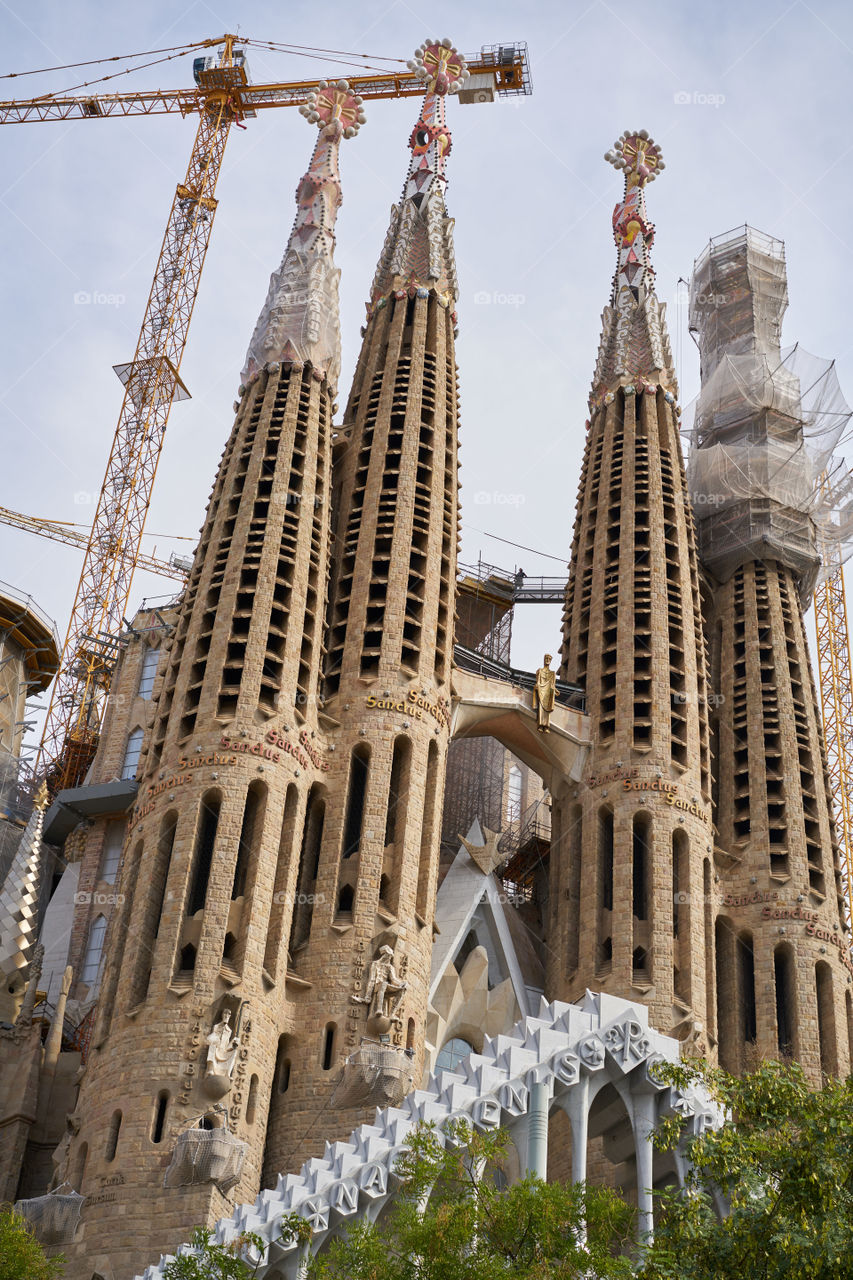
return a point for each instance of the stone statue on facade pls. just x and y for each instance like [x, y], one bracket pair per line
[222, 1048]
[62, 1153]
[385, 989]
[545, 694]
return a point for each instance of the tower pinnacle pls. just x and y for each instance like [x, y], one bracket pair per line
[300, 317]
[418, 249]
[634, 342]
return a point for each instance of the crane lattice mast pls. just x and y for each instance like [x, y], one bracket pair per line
[152, 382]
[835, 679]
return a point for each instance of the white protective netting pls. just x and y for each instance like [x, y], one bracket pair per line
[206, 1155]
[53, 1217]
[375, 1075]
[765, 430]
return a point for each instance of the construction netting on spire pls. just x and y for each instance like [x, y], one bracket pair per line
[763, 472]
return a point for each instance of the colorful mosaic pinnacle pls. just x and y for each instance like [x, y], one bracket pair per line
[441, 65]
[300, 317]
[639, 157]
[418, 249]
[634, 345]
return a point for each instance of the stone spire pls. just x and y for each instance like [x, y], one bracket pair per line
[300, 317]
[632, 841]
[634, 342]
[418, 249]
[19, 894]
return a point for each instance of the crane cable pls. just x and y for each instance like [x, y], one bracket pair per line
[178, 51]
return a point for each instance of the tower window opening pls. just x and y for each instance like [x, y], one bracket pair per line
[112, 1137]
[784, 982]
[605, 858]
[826, 1019]
[252, 1101]
[94, 952]
[640, 865]
[346, 897]
[431, 820]
[395, 819]
[359, 770]
[283, 1064]
[329, 1046]
[160, 1116]
[249, 837]
[746, 973]
[148, 672]
[111, 855]
[132, 752]
[309, 863]
[208, 823]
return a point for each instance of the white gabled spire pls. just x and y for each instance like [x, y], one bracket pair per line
[19, 896]
[300, 318]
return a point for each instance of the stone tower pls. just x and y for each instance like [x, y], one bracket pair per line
[631, 861]
[367, 877]
[194, 998]
[784, 976]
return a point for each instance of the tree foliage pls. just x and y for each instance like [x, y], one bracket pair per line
[212, 1261]
[453, 1220]
[783, 1169]
[781, 1172]
[21, 1255]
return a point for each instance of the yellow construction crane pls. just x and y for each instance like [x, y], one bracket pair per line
[835, 679]
[77, 535]
[221, 97]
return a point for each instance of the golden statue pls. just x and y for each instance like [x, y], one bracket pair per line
[545, 694]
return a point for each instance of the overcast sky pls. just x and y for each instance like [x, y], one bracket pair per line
[750, 103]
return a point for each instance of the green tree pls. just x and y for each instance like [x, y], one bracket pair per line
[451, 1220]
[21, 1255]
[224, 1261]
[784, 1167]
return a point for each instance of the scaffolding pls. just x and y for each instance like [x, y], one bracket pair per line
[526, 846]
[763, 476]
[476, 767]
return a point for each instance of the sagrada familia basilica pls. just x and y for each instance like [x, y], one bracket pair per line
[279, 961]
